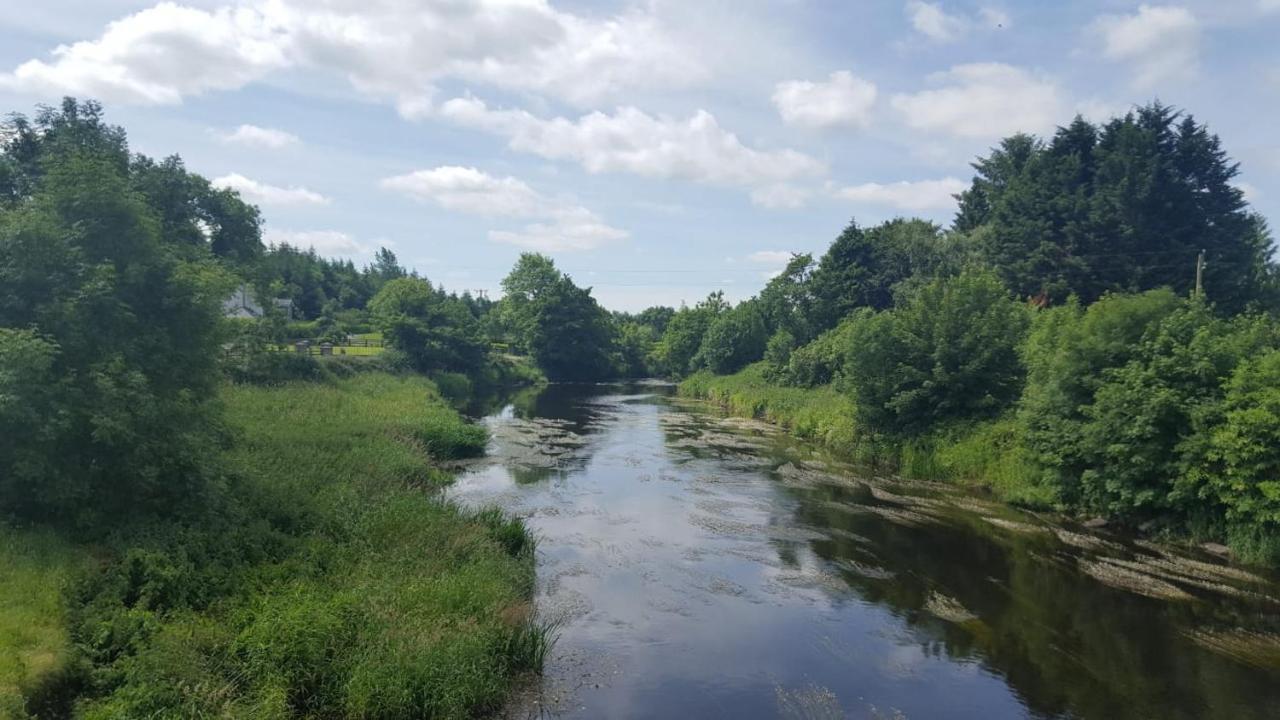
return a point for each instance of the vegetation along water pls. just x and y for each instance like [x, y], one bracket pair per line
[1027, 465]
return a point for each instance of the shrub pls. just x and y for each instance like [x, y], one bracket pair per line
[733, 339]
[946, 351]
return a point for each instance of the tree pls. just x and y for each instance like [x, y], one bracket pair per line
[946, 351]
[121, 332]
[569, 335]
[437, 331]
[733, 339]
[787, 302]
[1126, 207]
[676, 349]
[862, 267]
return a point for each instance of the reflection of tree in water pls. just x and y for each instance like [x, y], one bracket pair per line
[547, 431]
[1066, 644]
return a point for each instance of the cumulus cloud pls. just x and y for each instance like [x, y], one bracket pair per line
[559, 224]
[930, 20]
[264, 194]
[919, 195]
[389, 48]
[632, 141]
[159, 56]
[328, 243]
[842, 100]
[1161, 43]
[982, 100]
[260, 137]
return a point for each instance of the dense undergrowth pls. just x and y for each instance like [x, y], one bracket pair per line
[327, 580]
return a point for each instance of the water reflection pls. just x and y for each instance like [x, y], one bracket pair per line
[710, 567]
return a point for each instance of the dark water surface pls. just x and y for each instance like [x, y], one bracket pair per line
[702, 566]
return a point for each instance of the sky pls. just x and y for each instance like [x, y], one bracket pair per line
[657, 150]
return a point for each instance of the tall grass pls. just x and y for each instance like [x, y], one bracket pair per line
[35, 648]
[329, 580]
[983, 454]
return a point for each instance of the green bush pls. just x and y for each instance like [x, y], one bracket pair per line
[822, 361]
[733, 339]
[454, 387]
[1241, 466]
[947, 351]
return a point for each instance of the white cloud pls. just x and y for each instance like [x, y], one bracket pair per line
[260, 137]
[158, 56]
[842, 100]
[561, 224]
[632, 141]
[930, 20]
[920, 195]
[328, 243]
[389, 48]
[983, 100]
[1161, 43]
[264, 194]
[780, 196]
[469, 190]
[771, 257]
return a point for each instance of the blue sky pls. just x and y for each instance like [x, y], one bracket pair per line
[657, 150]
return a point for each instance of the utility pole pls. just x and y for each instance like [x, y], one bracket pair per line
[1200, 274]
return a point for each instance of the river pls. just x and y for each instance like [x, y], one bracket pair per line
[702, 566]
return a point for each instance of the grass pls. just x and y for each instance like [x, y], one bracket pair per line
[823, 414]
[329, 580]
[982, 454]
[35, 646]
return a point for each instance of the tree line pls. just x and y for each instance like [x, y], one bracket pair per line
[1061, 305]
[1101, 314]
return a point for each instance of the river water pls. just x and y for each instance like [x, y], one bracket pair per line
[702, 566]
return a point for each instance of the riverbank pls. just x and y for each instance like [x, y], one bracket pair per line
[982, 455]
[323, 576]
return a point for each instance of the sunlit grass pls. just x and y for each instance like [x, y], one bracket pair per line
[381, 600]
[35, 568]
[983, 453]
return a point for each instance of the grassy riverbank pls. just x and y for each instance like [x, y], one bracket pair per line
[984, 454]
[322, 578]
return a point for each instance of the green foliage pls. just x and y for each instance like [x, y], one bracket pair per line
[635, 343]
[787, 302]
[862, 267]
[437, 331]
[1122, 207]
[822, 361]
[124, 334]
[328, 584]
[777, 354]
[36, 569]
[674, 354]
[1241, 464]
[566, 331]
[946, 351]
[733, 339]
[823, 415]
